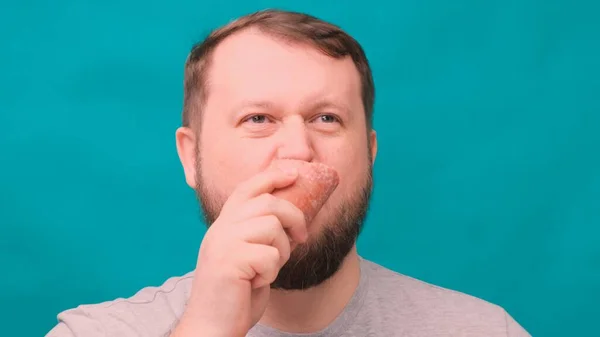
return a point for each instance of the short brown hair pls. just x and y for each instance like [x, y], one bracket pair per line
[289, 26]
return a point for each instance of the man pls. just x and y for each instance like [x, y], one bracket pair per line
[268, 87]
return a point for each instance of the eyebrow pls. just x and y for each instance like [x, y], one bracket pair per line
[324, 103]
[254, 104]
[308, 105]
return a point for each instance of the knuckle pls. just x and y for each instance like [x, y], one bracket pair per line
[272, 222]
[268, 203]
[267, 199]
[296, 213]
[274, 256]
[285, 254]
[300, 216]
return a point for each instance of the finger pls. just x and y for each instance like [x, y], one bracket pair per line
[264, 182]
[291, 218]
[266, 230]
[263, 262]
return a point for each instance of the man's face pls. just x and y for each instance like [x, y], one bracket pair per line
[271, 100]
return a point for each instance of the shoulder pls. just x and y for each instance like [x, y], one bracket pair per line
[419, 294]
[152, 311]
[435, 307]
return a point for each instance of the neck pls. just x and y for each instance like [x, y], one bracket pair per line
[314, 309]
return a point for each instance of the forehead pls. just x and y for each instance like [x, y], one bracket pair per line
[251, 65]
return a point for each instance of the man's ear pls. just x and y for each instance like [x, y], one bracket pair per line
[185, 139]
[373, 145]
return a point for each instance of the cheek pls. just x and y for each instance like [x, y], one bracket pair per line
[351, 160]
[227, 163]
[352, 176]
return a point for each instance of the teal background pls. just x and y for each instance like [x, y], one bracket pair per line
[487, 179]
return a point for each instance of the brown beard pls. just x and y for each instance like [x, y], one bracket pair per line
[316, 260]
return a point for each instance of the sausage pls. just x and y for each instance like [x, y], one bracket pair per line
[314, 185]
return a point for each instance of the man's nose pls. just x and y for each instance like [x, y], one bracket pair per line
[294, 141]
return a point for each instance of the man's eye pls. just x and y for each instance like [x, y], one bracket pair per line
[258, 119]
[327, 119]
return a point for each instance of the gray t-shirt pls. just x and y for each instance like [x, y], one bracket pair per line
[385, 304]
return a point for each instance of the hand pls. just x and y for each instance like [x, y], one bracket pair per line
[241, 255]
